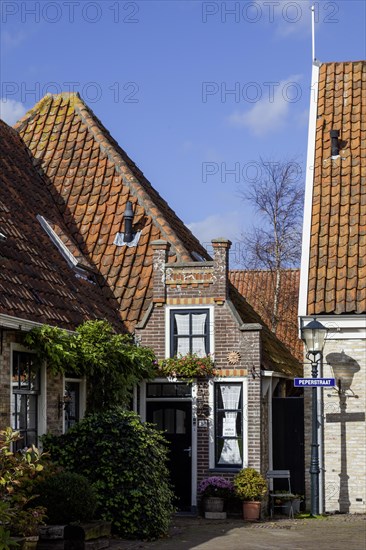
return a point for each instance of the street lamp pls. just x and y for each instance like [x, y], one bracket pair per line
[313, 334]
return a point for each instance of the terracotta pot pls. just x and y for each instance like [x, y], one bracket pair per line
[214, 504]
[27, 543]
[251, 510]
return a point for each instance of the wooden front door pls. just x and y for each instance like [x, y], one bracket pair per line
[174, 418]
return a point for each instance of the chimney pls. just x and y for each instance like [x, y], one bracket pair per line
[128, 217]
[334, 135]
[221, 249]
[160, 258]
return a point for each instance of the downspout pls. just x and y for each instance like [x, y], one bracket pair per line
[270, 427]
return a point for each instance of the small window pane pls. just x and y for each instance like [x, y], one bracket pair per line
[181, 324]
[158, 419]
[198, 346]
[199, 323]
[153, 390]
[189, 332]
[168, 390]
[182, 346]
[169, 421]
[184, 390]
[228, 424]
[181, 422]
[72, 405]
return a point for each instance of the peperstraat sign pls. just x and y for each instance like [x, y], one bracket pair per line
[311, 382]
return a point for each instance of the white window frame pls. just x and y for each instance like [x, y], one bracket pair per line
[189, 307]
[211, 402]
[82, 396]
[42, 397]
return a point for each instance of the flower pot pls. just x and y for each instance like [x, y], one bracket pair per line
[286, 506]
[214, 504]
[251, 510]
[27, 543]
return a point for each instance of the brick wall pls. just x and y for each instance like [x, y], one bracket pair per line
[344, 439]
[203, 284]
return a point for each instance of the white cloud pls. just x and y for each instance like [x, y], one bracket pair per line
[270, 113]
[226, 225]
[287, 17]
[13, 39]
[11, 110]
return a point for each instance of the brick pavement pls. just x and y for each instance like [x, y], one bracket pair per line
[338, 532]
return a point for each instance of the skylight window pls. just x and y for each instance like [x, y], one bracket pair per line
[81, 270]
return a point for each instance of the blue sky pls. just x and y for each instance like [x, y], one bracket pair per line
[195, 92]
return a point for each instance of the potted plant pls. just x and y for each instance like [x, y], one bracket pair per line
[18, 472]
[186, 366]
[251, 487]
[214, 491]
[285, 502]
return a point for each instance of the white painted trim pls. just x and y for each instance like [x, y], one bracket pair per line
[42, 396]
[82, 396]
[65, 252]
[211, 423]
[303, 296]
[340, 327]
[211, 329]
[143, 401]
[17, 323]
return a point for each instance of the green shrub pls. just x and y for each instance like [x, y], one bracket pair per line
[68, 497]
[125, 460]
[250, 485]
[18, 474]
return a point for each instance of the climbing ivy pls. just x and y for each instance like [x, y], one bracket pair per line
[111, 363]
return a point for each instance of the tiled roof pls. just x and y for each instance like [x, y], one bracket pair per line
[337, 262]
[36, 282]
[276, 356]
[92, 179]
[257, 287]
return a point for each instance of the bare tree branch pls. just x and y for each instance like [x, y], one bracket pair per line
[275, 244]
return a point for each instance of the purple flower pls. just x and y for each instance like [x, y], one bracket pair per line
[215, 486]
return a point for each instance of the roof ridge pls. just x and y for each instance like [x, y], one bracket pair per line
[120, 158]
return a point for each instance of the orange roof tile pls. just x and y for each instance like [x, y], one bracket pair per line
[92, 179]
[257, 287]
[36, 281]
[337, 258]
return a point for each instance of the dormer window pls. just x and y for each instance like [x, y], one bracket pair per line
[189, 332]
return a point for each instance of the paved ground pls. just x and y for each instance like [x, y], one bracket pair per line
[339, 532]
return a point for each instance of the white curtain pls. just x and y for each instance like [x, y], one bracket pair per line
[182, 320]
[230, 453]
[198, 327]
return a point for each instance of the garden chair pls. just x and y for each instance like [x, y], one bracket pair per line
[273, 496]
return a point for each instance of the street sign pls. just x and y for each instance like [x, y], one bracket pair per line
[314, 382]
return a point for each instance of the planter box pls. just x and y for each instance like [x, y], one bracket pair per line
[86, 536]
[286, 506]
[26, 543]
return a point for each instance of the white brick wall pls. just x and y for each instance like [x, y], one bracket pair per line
[344, 433]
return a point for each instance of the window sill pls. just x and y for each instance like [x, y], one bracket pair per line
[227, 469]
